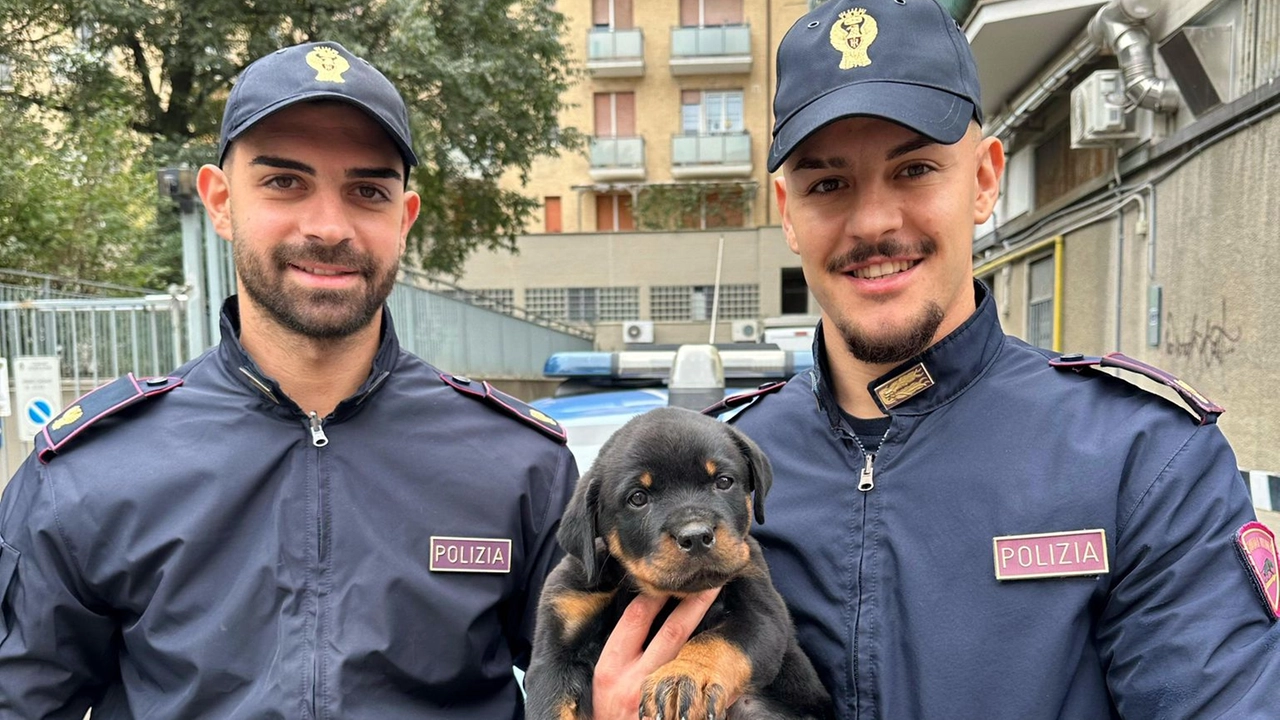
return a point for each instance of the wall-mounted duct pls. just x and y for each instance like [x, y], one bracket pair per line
[1120, 25]
[1199, 58]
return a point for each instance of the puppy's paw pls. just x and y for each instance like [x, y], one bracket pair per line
[680, 691]
[699, 684]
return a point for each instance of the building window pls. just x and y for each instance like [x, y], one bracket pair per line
[618, 304]
[1040, 303]
[711, 112]
[584, 304]
[615, 114]
[613, 213]
[546, 302]
[615, 14]
[694, 302]
[795, 292]
[500, 299]
[552, 213]
[703, 13]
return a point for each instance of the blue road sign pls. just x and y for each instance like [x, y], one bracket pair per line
[39, 411]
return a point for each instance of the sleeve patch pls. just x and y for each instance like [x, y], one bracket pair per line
[95, 405]
[1204, 408]
[508, 405]
[1257, 549]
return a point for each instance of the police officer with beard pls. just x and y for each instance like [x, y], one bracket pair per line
[306, 520]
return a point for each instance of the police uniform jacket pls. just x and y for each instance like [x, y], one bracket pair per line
[198, 555]
[894, 588]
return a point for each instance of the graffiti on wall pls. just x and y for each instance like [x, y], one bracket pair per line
[1206, 341]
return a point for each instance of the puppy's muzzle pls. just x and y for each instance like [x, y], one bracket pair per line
[695, 538]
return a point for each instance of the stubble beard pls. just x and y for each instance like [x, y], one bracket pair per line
[893, 348]
[898, 344]
[315, 314]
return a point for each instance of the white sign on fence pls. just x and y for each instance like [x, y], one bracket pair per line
[37, 393]
[5, 410]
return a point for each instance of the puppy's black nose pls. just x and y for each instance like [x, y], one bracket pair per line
[695, 537]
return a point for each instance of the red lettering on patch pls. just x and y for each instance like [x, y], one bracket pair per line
[1257, 546]
[1058, 554]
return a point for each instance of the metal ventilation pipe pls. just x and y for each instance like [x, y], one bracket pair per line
[1120, 26]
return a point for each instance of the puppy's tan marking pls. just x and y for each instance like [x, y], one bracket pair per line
[706, 660]
[575, 609]
[568, 709]
[646, 480]
[711, 468]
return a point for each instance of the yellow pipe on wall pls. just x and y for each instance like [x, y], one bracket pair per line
[1058, 243]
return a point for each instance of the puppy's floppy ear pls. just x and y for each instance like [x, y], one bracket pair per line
[578, 527]
[761, 470]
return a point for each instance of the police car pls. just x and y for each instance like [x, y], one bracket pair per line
[602, 390]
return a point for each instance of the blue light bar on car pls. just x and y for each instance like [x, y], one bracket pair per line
[579, 364]
[755, 364]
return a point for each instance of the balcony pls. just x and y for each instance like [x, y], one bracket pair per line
[696, 157]
[617, 159]
[615, 53]
[721, 50]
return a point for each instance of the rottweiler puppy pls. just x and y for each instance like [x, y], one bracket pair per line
[665, 510]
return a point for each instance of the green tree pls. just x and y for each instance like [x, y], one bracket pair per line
[79, 202]
[483, 79]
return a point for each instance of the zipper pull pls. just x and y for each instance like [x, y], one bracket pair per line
[867, 481]
[318, 438]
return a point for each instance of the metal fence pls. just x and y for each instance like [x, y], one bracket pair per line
[98, 331]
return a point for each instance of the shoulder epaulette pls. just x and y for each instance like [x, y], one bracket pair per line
[744, 398]
[509, 404]
[1204, 408]
[95, 405]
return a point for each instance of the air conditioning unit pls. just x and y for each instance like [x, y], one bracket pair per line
[1098, 117]
[746, 331]
[637, 331]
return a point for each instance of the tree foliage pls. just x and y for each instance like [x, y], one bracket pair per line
[81, 204]
[483, 80]
[693, 205]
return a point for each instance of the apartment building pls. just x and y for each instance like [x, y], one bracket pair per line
[676, 98]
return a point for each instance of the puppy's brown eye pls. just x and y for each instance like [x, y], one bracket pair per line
[724, 482]
[638, 498]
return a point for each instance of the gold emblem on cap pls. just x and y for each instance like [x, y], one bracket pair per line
[905, 386]
[852, 34]
[328, 63]
[72, 414]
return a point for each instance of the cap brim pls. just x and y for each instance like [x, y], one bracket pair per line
[936, 114]
[405, 151]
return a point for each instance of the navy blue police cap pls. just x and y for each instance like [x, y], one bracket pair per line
[309, 72]
[906, 61]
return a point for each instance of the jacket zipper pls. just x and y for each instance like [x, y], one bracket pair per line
[866, 483]
[318, 440]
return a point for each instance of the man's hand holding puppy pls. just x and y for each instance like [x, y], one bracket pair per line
[625, 662]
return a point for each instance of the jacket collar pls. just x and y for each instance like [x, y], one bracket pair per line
[240, 365]
[929, 380]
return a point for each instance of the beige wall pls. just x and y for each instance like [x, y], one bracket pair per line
[641, 259]
[1217, 258]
